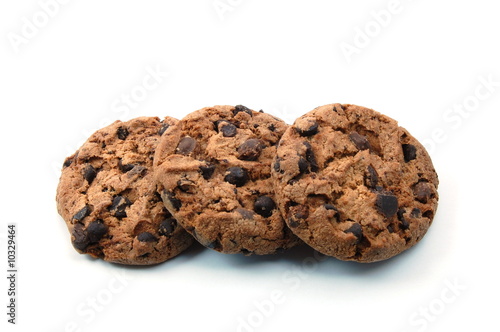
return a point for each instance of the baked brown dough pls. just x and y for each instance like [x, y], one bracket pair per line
[108, 197]
[214, 170]
[353, 184]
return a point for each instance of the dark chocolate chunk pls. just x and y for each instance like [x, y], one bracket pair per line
[167, 227]
[271, 127]
[186, 145]
[85, 211]
[96, 230]
[277, 166]
[251, 149]
[246, 252]
[360, 141]
[330, 207]
[416, 213]
[68, 161]
[80, 238]
[228, 129]
[138, 169]
[264, 205]
[371, 177]
[240, 108]
[387, 204]
[214, 245]
[89, 173]
[310, 157]
[307, 129]
[246, 214]
[122, 133]
[297, 213]
[163, 128]
[118, 206]
[422, 192]
[186, 185]
[356, 230]
[338, 107]
[404, 223]
[169, 196]
[303, 166]
[207, 171]
[124, 168]
[147, 237]
[409, 152]
[237, 176]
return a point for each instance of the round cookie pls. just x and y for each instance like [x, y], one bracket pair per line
[108, 197]
[214, 170]
[353, 184]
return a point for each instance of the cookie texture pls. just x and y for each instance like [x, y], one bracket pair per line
[108, 198]
[214, 174]
[353, 184]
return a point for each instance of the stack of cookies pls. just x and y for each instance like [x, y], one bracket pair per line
[344, 179]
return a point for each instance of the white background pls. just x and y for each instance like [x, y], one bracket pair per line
[66, 69]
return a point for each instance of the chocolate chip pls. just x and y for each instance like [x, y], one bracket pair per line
[240, 108]
[122, 133]
[215, 245]
[85, 211]
[251, 149]
[246, 252]
[246, 214]
[118, 206]
[330, 207]
[303, 166]
[264, 205]
[167, 227]
[169, 196]
[306, 127]
[96, 230]
[422, 192]
[137, 169]
[271, 127]
[163, 128]
[416, 213]
[68, 161]
[387, 204]
[89, 173]
[355, 229]
[237, 176]
[409, 152]
[228, 129]
[338, 107]
[186, 185]
[80, 238]
[404, 223]
[360, 141]
[277, 166]
[207, 171]
[371, 177]
[297, 213]
[146, 237]
[313, 165]
[186, 145]
[124, 168]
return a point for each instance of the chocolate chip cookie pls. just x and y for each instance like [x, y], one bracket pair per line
[214, 170]
[353, 184]
[108, 197]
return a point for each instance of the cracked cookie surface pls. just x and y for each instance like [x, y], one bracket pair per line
[353, 184]
[213, 170]
[108, 198]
